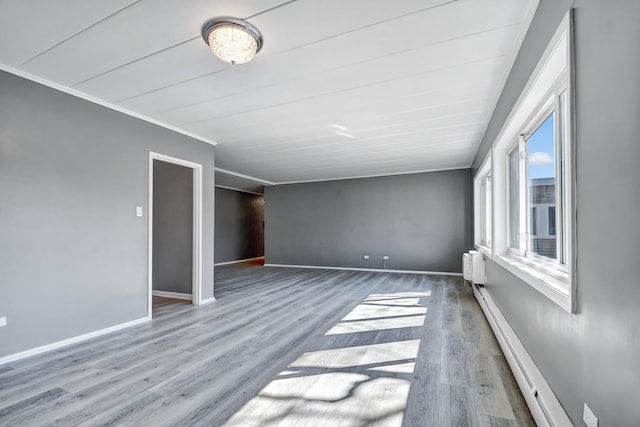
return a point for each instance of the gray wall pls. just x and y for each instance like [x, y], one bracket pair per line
[239, 221]
[421, 221]
[591, 356]
[73, 254]
[172, 227]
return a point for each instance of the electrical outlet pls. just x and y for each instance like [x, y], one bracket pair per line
[365, 257]
[385, 257]
[589, 417]
[3, 321]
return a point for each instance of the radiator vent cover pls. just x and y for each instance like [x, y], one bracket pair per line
[473, 267]
[467, 267]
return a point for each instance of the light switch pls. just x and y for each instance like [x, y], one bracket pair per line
[138, 210]
[589, 417]
[3, 321]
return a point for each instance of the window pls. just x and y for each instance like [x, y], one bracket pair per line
[483, 210]
[486, 208]
[534, 165]
[536, 195]
[529, 179]
[542, 185]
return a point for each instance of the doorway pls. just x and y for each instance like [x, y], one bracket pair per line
[175, 229]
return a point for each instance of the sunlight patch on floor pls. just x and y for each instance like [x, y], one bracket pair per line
[376, 324]
[389, 296]
[353, 385]
[400, 368]
[362, 355]
[382, 312]
[367, 311]
[325, 400]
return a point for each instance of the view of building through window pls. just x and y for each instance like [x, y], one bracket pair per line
[542, 189]
[514, 200]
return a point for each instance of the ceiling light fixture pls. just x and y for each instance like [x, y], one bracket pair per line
[231, 39]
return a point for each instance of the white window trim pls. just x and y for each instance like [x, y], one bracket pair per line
[479, 207]
[550, 106]
[487, 231]
[519, 250]
[554, 280]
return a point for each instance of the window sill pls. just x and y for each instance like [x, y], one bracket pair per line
[485, 250]
[552, 283]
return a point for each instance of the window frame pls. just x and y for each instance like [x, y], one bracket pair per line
[520, 250]
[550, 88]
[550, 106]
[487, 226]
[480, 209]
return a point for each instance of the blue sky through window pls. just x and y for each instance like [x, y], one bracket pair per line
[541, 151]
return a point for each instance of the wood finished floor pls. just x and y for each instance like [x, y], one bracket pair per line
[282, 347]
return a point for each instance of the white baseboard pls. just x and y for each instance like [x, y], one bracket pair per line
[174, 295]
[239, 261]
[320, 267]
[207, 301]
[542, 402]
[69, 341]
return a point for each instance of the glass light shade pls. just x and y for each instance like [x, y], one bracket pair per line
[232, 44]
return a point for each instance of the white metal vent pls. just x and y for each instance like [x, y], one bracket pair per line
[473, 267]
[467, 267]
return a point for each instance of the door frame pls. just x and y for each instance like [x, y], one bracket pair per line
[196, 272]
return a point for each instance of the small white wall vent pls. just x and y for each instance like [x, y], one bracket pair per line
[473, 267]
[467, 267]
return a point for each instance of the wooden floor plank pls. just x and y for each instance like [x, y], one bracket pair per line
[455, 406]
[489, 394]
[282, 346]
[518, 405]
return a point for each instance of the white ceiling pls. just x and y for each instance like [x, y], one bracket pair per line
[342, 88]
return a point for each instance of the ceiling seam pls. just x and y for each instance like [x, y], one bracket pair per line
[172, 84]
[293, 48]
[316, 73]
[381, 145]
[374, 24]
[134, 61]
[168, 48]
[399, 123]
[189, 79]
[338, 158]
[379, 165]
[400, 113]
[387, 135]
[270, 9]
[453, 140]
[339, 91]
[145, 56]
[370, 176]
[78, 32]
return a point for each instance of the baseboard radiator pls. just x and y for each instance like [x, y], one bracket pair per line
[542, 402]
